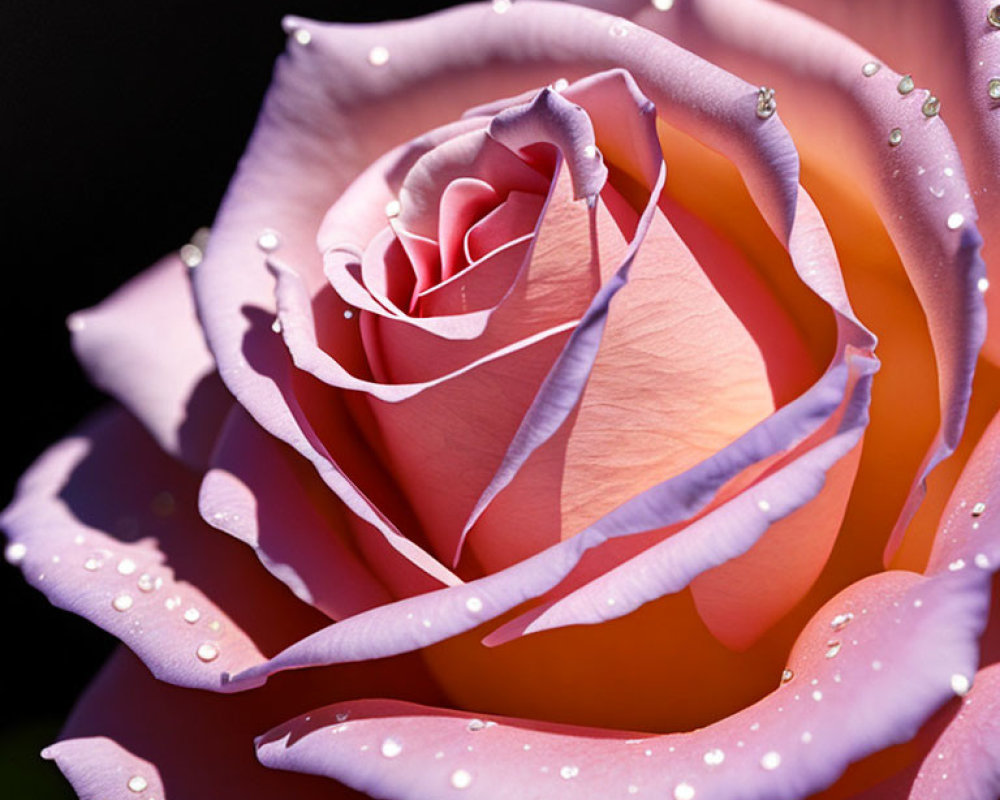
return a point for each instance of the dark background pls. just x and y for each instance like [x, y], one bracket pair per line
[120, 126]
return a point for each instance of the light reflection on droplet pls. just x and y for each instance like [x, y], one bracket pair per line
[978, 508]
[461, 779]
[771, 760]
[982, 285]
[832, 648]
[960, 684]
[569, 771]
[931, 106]
[663, 5]
[302, 36]
[137, 783]
[268, 241]
[895, 137]
[207, 652]
[870, 68]
[905, 85]
[378, 56]
[391, 748]
[15, 553]
[839, 622]
[192, 615]
[955, 220]
[714, 757]
[683, 791]
[126, 566]
[122, 602]
[474, 604]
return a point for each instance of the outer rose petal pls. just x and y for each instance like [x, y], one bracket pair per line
[833, 106]
[875, 677]
[143, 345]
[201, 745]
[103, 525]
[99, 768]
[949, 47]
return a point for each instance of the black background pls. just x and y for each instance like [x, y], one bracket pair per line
[120, 126]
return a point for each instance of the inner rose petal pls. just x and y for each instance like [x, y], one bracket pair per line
[464, 202]
[516, 215]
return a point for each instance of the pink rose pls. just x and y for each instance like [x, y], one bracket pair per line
[551, 419]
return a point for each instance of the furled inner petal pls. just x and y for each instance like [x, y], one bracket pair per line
[516, 215]
[464, 202]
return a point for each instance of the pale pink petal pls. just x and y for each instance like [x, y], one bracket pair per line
[854, 669]
[144, 346]
[263, 493]
[99, 768]
[106, 525]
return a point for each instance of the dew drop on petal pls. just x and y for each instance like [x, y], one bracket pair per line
[806, 737]
[619, 28]
[955, 220]
[787, 675]
[191, 255]
[137, 783]
[461, 779]
[870, 68]
[393, 208]
[268, 241]
[763, 505]
[956, 565]
[207, 652]
[569, 771]
[474, 604]
[905, 85]
[192, 615]
[122, 602]
[501, 6]
[15, 553]
[126, 566]
[982, 285]
[931, 106]
[714, 757]
[993, 88]
[839, 622]
[378, 56]
[817, 695]
[978, 508]
[895, 137]
[832, 648]
[391, 748]
[960, 684]
[475, 725]
[993, 16]
[683, 791]
[302, 36]
[770, 760]
[982, 561]
[663, 5]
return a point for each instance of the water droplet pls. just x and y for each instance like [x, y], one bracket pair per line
[895, 137]
[771, 760]
[931, 106]
[683, 791]
[979, 508]
[763, 505]
[268, 241]
[870, 68]
[145, 583]
[560, 85]
[633, 789]
[171, 603]
[960, 684]
[393, 208]
[502, 6]
[126, 566]
[993, 16]
[191, 255]
[474, 604]
[993, 88]
[475, 725]
[956, 565]
[982, 285]
[905, 85]
[192, 615]
[806, 737]
[122, 602]
[936, 191]
[955, 220]
[714, 757]
[817, 695]
[302, 36]
[569, 771]
[787, 675]
[391, 748]
[589, 151]
[276, 325]
[348, 313]
[982, 561]
[378, 56]
[663, 5]
[207, 652]
[137, 783]
[877, 665]
[461, 779]
[619, 28]
[766, 105]
[839, 622]
[15, 553]
[832, 648]
[948, 172]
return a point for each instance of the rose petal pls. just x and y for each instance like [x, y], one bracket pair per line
[104, 524]
[833, 105]
[259, 492]
[313, 137]
[99, 768]
[951, 49]
[143, 345]
[201, 744]
[880, 681]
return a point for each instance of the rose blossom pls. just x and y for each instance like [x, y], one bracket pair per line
[556, 357]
